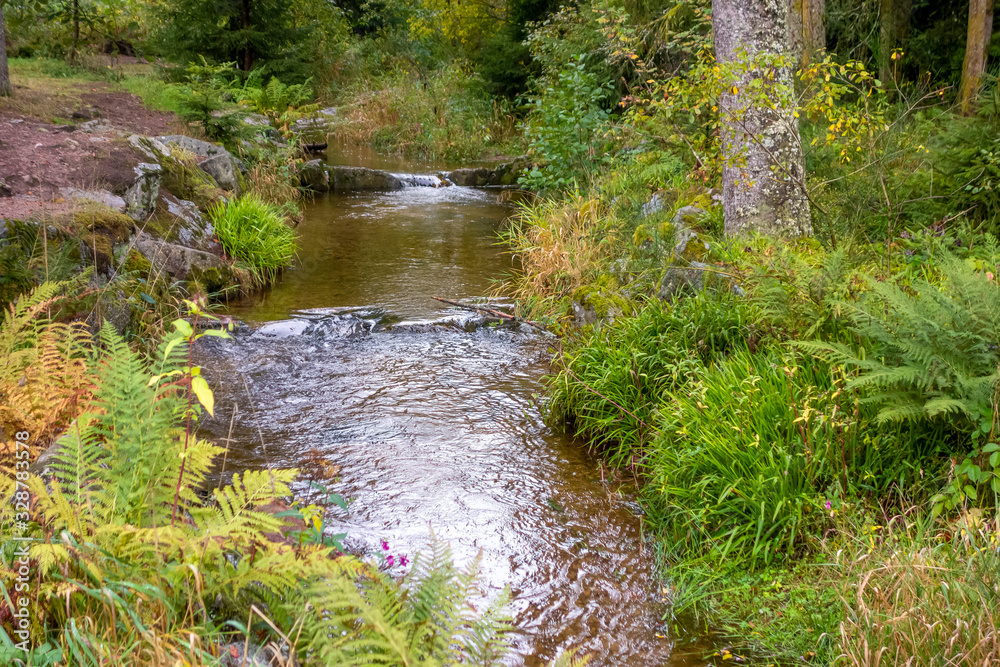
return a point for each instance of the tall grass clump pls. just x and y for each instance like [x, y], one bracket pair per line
[440, 114]
[610, 385]
[255, 234]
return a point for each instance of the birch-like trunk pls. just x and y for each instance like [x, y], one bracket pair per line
[977, 51]
[763, 177]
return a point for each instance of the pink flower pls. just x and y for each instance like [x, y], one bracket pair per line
[403, 560]
[385, 545]
[828, 505]
[391, 560]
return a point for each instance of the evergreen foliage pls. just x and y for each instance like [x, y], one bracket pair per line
[251, 33]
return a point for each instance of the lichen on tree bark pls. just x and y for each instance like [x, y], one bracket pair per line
[763, 174]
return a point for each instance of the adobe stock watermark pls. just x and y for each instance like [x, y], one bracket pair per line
[22, 563]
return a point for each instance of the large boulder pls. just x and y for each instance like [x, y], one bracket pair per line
[140, 197]
[223, 169]
[201, 268]
[314, 176]
[361, 178]
[99, 230]
[132, 193]
[214, 160]
[180, 221]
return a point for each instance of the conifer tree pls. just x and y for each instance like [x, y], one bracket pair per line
[250, 33]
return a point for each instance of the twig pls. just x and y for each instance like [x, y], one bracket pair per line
[495, 313]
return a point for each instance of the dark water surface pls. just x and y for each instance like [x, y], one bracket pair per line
[431, 416]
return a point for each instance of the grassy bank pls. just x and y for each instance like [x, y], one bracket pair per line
[814, 419]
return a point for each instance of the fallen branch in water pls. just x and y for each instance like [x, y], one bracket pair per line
[494, 313]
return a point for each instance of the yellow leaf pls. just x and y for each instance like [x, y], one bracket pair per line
[204, 394]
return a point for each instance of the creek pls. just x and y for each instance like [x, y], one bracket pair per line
[432, 416]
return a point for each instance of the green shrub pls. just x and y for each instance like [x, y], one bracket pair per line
[202, 101]
[927, 348]
[255, 234]
[565, 129]
[927, 353]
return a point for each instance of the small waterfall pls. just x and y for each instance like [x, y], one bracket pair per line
[422, 180]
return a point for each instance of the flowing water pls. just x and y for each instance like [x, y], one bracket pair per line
[431, 415]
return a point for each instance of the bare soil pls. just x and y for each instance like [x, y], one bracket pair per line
[38, 157]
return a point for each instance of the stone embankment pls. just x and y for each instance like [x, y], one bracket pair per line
[318, 176]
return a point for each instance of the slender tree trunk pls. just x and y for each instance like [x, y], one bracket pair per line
[977, 51]
[763, 173]
[76, 30]
[806, 29]
[894, 19]
[796, 31]
[813, 29]
[4, 72]
[247, 52]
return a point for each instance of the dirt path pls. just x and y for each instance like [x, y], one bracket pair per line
[67, 134]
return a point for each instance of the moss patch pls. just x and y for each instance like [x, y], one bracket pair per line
[603, 297]
[211, 280]
[99, 229]
[185, 180]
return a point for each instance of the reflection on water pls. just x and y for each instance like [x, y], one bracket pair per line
[442, 243]
[435, 426]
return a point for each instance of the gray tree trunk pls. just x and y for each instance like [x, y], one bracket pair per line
[4, 72]
[763, 176]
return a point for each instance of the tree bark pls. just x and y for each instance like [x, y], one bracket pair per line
[813, 29]
[4, 72]
[977, 51]
[894, 19]
[76, 30]
[806, 29]
[763, 173]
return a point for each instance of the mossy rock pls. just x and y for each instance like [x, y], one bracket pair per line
[136, 263]
[598, 301]
[99, 230]
[211, 280]
[187, 181]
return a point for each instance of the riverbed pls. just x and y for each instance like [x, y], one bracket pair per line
[432, 415]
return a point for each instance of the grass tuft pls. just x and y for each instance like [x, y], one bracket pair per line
[255, 234]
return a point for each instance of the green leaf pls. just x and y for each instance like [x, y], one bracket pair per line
[147, 298]
[184, 327]
[204, 394]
